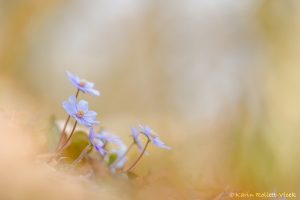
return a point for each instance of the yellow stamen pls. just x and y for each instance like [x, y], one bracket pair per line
[82, 84]
[80, 114]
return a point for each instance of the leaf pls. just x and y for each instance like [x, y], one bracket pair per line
[79, 141]
[132, 175]
[112, 158]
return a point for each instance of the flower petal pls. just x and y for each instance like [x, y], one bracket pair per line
[73, 78]
[147, 131]
[82, 121]
[83, 106]
[92, 135]
[136, 137]
[100, 150]
[88, 87]
[89, 84]
[70, 106]
[108, 137]
[93, 92]
[89, 122]
[91, 114]
[157, 142]
[73, 101]
[98, 144]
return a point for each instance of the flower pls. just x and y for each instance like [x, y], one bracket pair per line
[136, 138]
[149, 133]
[100, 140]
[80, 111]
[82, 85]
[107, 137]
[98, 144]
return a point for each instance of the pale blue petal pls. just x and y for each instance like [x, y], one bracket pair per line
[87, 88]
[100, 150]
[89, 84]
[107, 137]
[157, 142]
[93, 92]
[73, 101]
[70, 107]
[92, 135]
[83, 106]
[91, 114]
[98, 144]
[136, 137]
[134, 132]
[81, 121]
[89, 122]
[147, 131]
[73, 78]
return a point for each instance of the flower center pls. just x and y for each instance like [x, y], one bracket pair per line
[80, 114]
[82, 84]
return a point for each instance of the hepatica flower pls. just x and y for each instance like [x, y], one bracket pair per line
[107, 137]
[97, 143]
[100, 140]
[149, 133]
[82, 85]
[136, 138]
[80, 111]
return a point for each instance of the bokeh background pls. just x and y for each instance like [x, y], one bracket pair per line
[219, 80]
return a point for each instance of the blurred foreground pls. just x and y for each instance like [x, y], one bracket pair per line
[219, 81]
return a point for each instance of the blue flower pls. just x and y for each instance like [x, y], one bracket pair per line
[136, 138]
[100, 140]
[82, 85]
[107, 137]
[80, 111]
[97, 143]
[149, 133]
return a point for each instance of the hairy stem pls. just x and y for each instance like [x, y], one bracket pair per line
[67, 141]
[77, 93]
[63, 132]
[139, 158]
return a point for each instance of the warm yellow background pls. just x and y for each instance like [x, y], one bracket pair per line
[219, 80]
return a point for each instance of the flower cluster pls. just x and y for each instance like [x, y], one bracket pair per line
[79, 111]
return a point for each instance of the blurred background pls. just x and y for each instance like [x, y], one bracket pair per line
[219, 80]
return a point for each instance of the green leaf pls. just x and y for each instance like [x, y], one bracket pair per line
[132, 175]
[112, 158]
[79, 141]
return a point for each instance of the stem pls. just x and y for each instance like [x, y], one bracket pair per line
[64, 145]
[63, 132]
[123, 156]
[82, 155]
[77, 93]
[139, 158]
